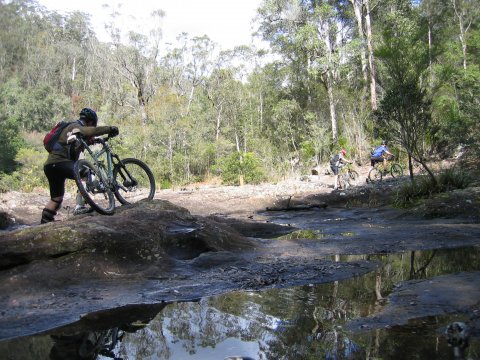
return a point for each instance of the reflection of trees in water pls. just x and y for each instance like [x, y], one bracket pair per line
[414, 265]
[418, 269]
[419, 264]
[86, 345]
[147, 343]
[417, 340]
[203, 324]
[281, 326]
[303, 322]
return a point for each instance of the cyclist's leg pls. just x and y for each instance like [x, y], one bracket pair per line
[335, 172]
[56, 175]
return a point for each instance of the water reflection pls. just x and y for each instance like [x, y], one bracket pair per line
[306, 322]
[87, 345]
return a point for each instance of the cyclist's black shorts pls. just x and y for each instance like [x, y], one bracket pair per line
[375, 159]
[334, 169]
[56, 175]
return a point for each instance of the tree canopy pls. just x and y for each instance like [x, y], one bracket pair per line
[337, 73]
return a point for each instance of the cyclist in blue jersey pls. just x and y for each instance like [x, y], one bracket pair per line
[380, 154]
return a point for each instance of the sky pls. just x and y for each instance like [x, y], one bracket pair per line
[226, 22]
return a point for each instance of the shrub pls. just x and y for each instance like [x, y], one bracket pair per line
[233, 167]
[454, 178]
[423, 186]
[409, 193]
[29, 175]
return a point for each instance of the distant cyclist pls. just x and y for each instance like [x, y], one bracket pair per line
[337, 161]
[380, 154]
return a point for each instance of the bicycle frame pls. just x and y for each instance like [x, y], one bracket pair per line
[387, 166]
[98, 163]
[112, 161]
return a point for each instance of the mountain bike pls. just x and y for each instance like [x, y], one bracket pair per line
[104, 177]
[380, 170]
[347, 176]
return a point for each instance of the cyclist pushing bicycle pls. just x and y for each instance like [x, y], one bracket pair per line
[61, 160]
[337, 162]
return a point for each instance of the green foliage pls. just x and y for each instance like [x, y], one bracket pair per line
[454, 178]
[457, 108]
[404, 113]
[30, 173]
[238, 165]
[10, 143]
[184, 110]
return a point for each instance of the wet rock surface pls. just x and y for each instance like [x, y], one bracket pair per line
[412, 299]
[203, 242]
[144, 254]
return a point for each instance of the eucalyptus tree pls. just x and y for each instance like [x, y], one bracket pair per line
[454, 76]
[199, 63]
[404, 111]
[362, 10]
[14, 31]
[467, 15]
[310, 35]
[30, 66]
[135, 59]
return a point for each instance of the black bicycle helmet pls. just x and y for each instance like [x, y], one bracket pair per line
[384, 142]
[89, 115]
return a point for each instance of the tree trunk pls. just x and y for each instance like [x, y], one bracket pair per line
[241, 178]
[331, 102]
[190, 99]
[329, 78]
[357, 8]
[74, 69]
[217, 127]
[410, 167]
[373, 83]
[463, 32]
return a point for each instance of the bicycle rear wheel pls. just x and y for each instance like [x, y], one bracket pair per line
[396, 170]
[375, 174]
[93, 187]
[134, 181]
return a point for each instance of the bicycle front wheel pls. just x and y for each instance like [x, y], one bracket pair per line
[343, 181]
[134, 181]
[396, 171]
[94, 187]
[354, 175]
[375, 174]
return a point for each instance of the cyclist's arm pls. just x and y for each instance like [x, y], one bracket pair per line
[89, 131]
[343, 160]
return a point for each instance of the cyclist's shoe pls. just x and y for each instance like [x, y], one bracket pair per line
[79, 210]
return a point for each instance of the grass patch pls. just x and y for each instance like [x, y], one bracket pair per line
[302, 234]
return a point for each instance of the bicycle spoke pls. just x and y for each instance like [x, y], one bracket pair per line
[134, 181]
[95, 192]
